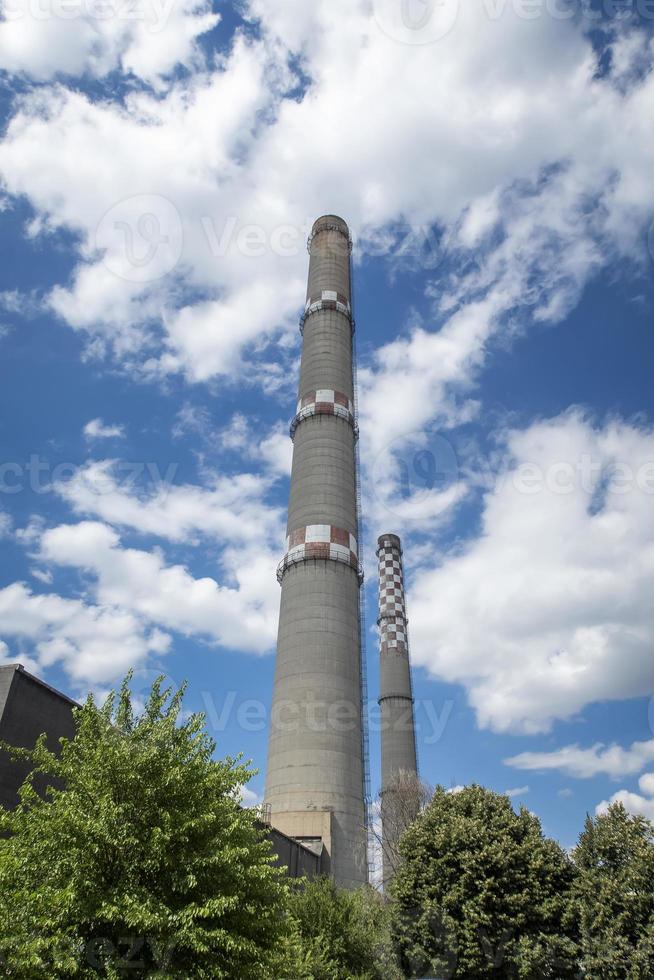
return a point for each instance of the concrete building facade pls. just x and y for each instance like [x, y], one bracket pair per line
[28, 708]
[399, 758]
[315, 783]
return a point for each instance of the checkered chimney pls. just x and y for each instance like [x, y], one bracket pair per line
[315, 778]
[398, 740]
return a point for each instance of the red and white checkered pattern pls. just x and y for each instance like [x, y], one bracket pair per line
[320, 541]
[392, 608]
[328, 299]
[393, 635]
[324, 401]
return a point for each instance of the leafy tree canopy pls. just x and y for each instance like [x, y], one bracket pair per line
[143, 864]
[341, 935]
[614, 896]
[481, 892]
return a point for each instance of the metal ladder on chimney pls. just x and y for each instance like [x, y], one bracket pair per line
[365, 739]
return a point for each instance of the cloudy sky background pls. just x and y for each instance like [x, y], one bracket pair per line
[161, 165]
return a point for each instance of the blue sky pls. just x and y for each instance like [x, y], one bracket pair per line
[160, 172]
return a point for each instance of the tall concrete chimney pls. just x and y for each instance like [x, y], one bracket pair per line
[400, 790]
[315, 783]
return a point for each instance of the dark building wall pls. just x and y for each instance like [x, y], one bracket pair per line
[299, 861]
[28, 708]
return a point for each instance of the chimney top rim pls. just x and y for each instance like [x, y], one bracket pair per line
[389, 534]
[332, 218]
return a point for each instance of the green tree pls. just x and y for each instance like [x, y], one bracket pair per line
[482, 893]
[144, 864]
[341, 935]
[614, 896]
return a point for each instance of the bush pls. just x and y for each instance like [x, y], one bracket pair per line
[340, 935]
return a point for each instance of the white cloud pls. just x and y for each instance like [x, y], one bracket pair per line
[5, 524]
[639, 805]
[273, 449]
[13, 301]
[156, 205]
[600, 759]
[133, 599]
[26, 661]
[496, 154]
[551, 245]
[92, 642]
[517, 791]
[232, 510]
[549, 609]
[541, 616]
[250, 798]
[31, 534]
[239, 616]
[276, 450]
[146, 39]
[96, 429]
[236, 435]
[646, 783]
[193, 419]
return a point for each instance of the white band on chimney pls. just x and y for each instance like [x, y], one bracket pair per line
[328, 299]
[324, 401]
[320, 541]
